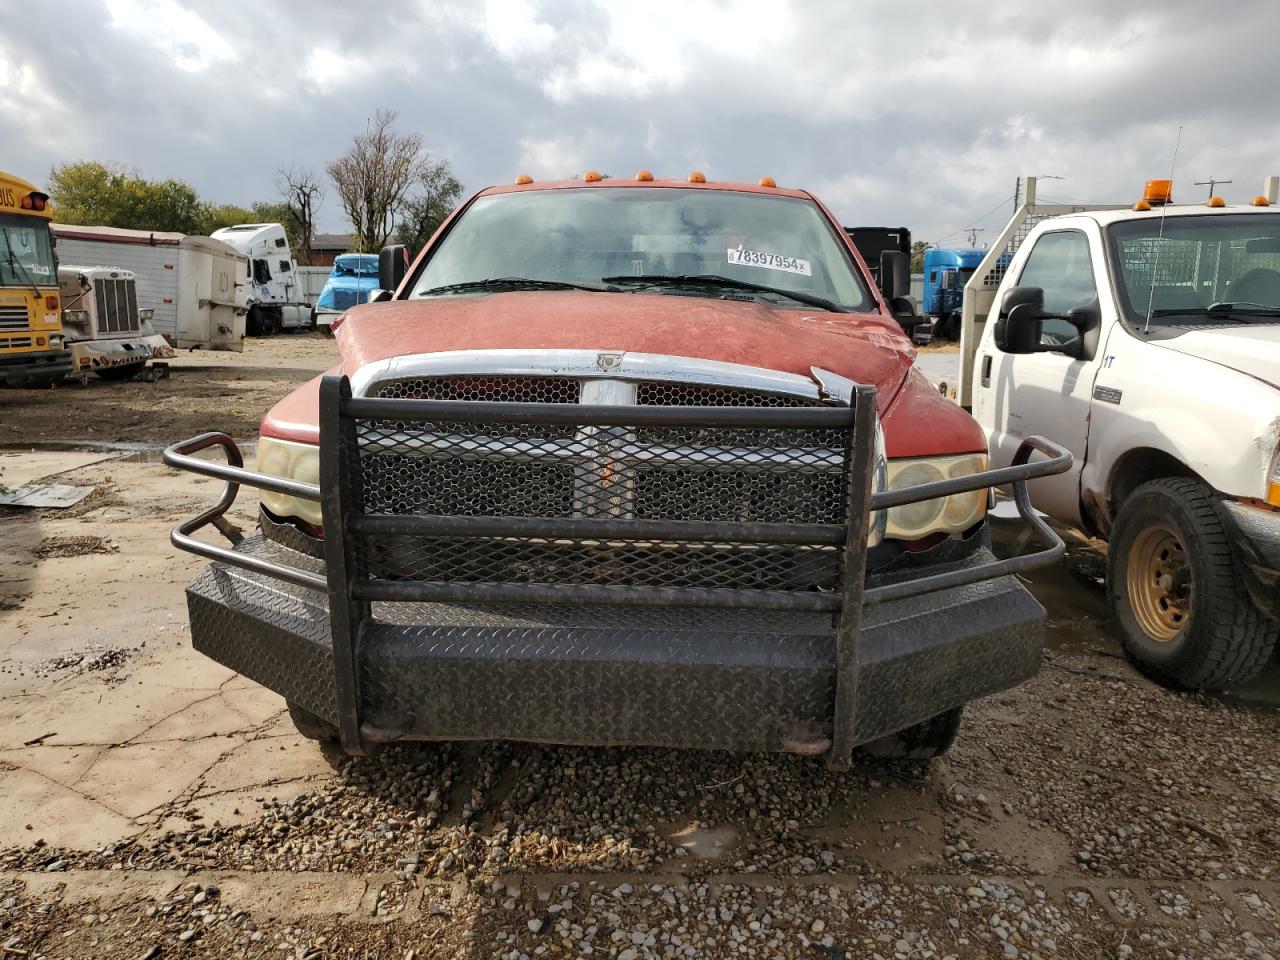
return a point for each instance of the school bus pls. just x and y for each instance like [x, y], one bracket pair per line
[32, 348]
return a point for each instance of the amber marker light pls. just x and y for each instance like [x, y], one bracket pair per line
[1261, 201]
[1158, 192]
[1216, 202]
[644, 176]
[592, 176]
[697, 177]
[768, 182]
[523, 179]
[1141, 205]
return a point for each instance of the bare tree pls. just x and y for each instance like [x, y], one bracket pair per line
[302, 192]
[374, 177]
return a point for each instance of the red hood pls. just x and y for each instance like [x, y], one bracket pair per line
[862, 347]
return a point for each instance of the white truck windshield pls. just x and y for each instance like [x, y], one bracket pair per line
[1201, 264]
[647, 235]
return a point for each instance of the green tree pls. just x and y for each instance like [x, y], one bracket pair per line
[438, 191]
[917, 256]
[277, 211]
[115, 196]
[219, 215]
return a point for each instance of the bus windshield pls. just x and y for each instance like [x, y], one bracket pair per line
[26, 252]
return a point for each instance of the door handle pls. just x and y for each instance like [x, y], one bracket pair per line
[986, 370]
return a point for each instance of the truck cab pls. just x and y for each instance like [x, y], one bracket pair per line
[109, 333]
[1147, 339]
[274, 299]
[353, 278]
[946, 271]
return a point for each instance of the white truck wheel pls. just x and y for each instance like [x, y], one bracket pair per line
[1185, 615]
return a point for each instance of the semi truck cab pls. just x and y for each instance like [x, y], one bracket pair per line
[274, 299]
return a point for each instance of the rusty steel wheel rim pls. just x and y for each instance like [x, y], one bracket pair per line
[1159, 582]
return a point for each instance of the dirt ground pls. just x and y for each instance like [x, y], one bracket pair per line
[155, 805]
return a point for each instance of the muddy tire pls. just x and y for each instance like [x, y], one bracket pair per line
[311, 726]
[924, 741]
[124, 372]
[1175, 588]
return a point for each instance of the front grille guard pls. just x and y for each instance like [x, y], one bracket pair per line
[351, 588]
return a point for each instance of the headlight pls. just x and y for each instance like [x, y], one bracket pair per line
[55, 341]
[954, 514]
[293, 461]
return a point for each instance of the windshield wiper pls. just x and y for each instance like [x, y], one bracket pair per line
[508, 283]
[1238, 311]
[711, 280]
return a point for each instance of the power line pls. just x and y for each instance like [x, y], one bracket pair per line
[973, 220]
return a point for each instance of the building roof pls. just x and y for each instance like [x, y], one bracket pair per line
[332, 241]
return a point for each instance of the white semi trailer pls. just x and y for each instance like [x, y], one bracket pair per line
[195, 286]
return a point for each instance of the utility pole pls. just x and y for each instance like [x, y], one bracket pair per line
[1211, 183]
[973, 234]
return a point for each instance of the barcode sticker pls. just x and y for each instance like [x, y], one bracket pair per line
[769, 261]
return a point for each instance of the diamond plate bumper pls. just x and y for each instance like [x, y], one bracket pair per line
[592, 674]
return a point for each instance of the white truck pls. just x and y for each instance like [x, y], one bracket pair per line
[276, 299]
[195, 286]
[109, 334]
[1146, 340]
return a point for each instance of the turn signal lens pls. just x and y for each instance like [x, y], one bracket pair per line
[592, 176]
[644, 176]
[1158, 192]
[768, 182]
[523, 179]
[1216, 202]
[1273, 481]
[51, 303]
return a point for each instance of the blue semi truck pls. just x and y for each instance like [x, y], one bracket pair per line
[946, 271]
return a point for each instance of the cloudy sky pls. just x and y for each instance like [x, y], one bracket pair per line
[894, 113]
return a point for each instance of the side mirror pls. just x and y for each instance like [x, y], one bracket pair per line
[895, 275]
[393, 263]
[1021, 314]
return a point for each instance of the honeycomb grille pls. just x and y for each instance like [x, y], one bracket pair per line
[670, 473]
[494, 389]
[670, 394]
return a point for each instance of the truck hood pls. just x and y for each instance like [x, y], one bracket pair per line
[858, 346]
[1253, 349]
[863, 347]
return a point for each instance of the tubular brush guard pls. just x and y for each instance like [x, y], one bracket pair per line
[575, 573]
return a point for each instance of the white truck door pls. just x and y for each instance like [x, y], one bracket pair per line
[1047, 393]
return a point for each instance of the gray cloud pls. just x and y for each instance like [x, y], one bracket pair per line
[914, 114]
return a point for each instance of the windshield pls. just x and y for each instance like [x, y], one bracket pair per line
[352, 265]
[26, 252]
[581, 236]
[1198, 262]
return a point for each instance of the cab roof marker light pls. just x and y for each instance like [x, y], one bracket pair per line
[1141, 206]
[1158, 192]
[768, 182]
[1261, 201]
[697, 177]
[592, 176]
[644, 176]
[522, 179]
[1216, 202]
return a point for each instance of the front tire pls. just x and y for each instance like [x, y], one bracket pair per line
[1174, 586]
[926, 740]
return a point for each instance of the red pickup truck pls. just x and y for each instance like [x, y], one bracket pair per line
[624, 461]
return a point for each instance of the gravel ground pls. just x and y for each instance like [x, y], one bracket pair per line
[1088, 813]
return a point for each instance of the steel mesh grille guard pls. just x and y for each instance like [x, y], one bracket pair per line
[568, 546]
